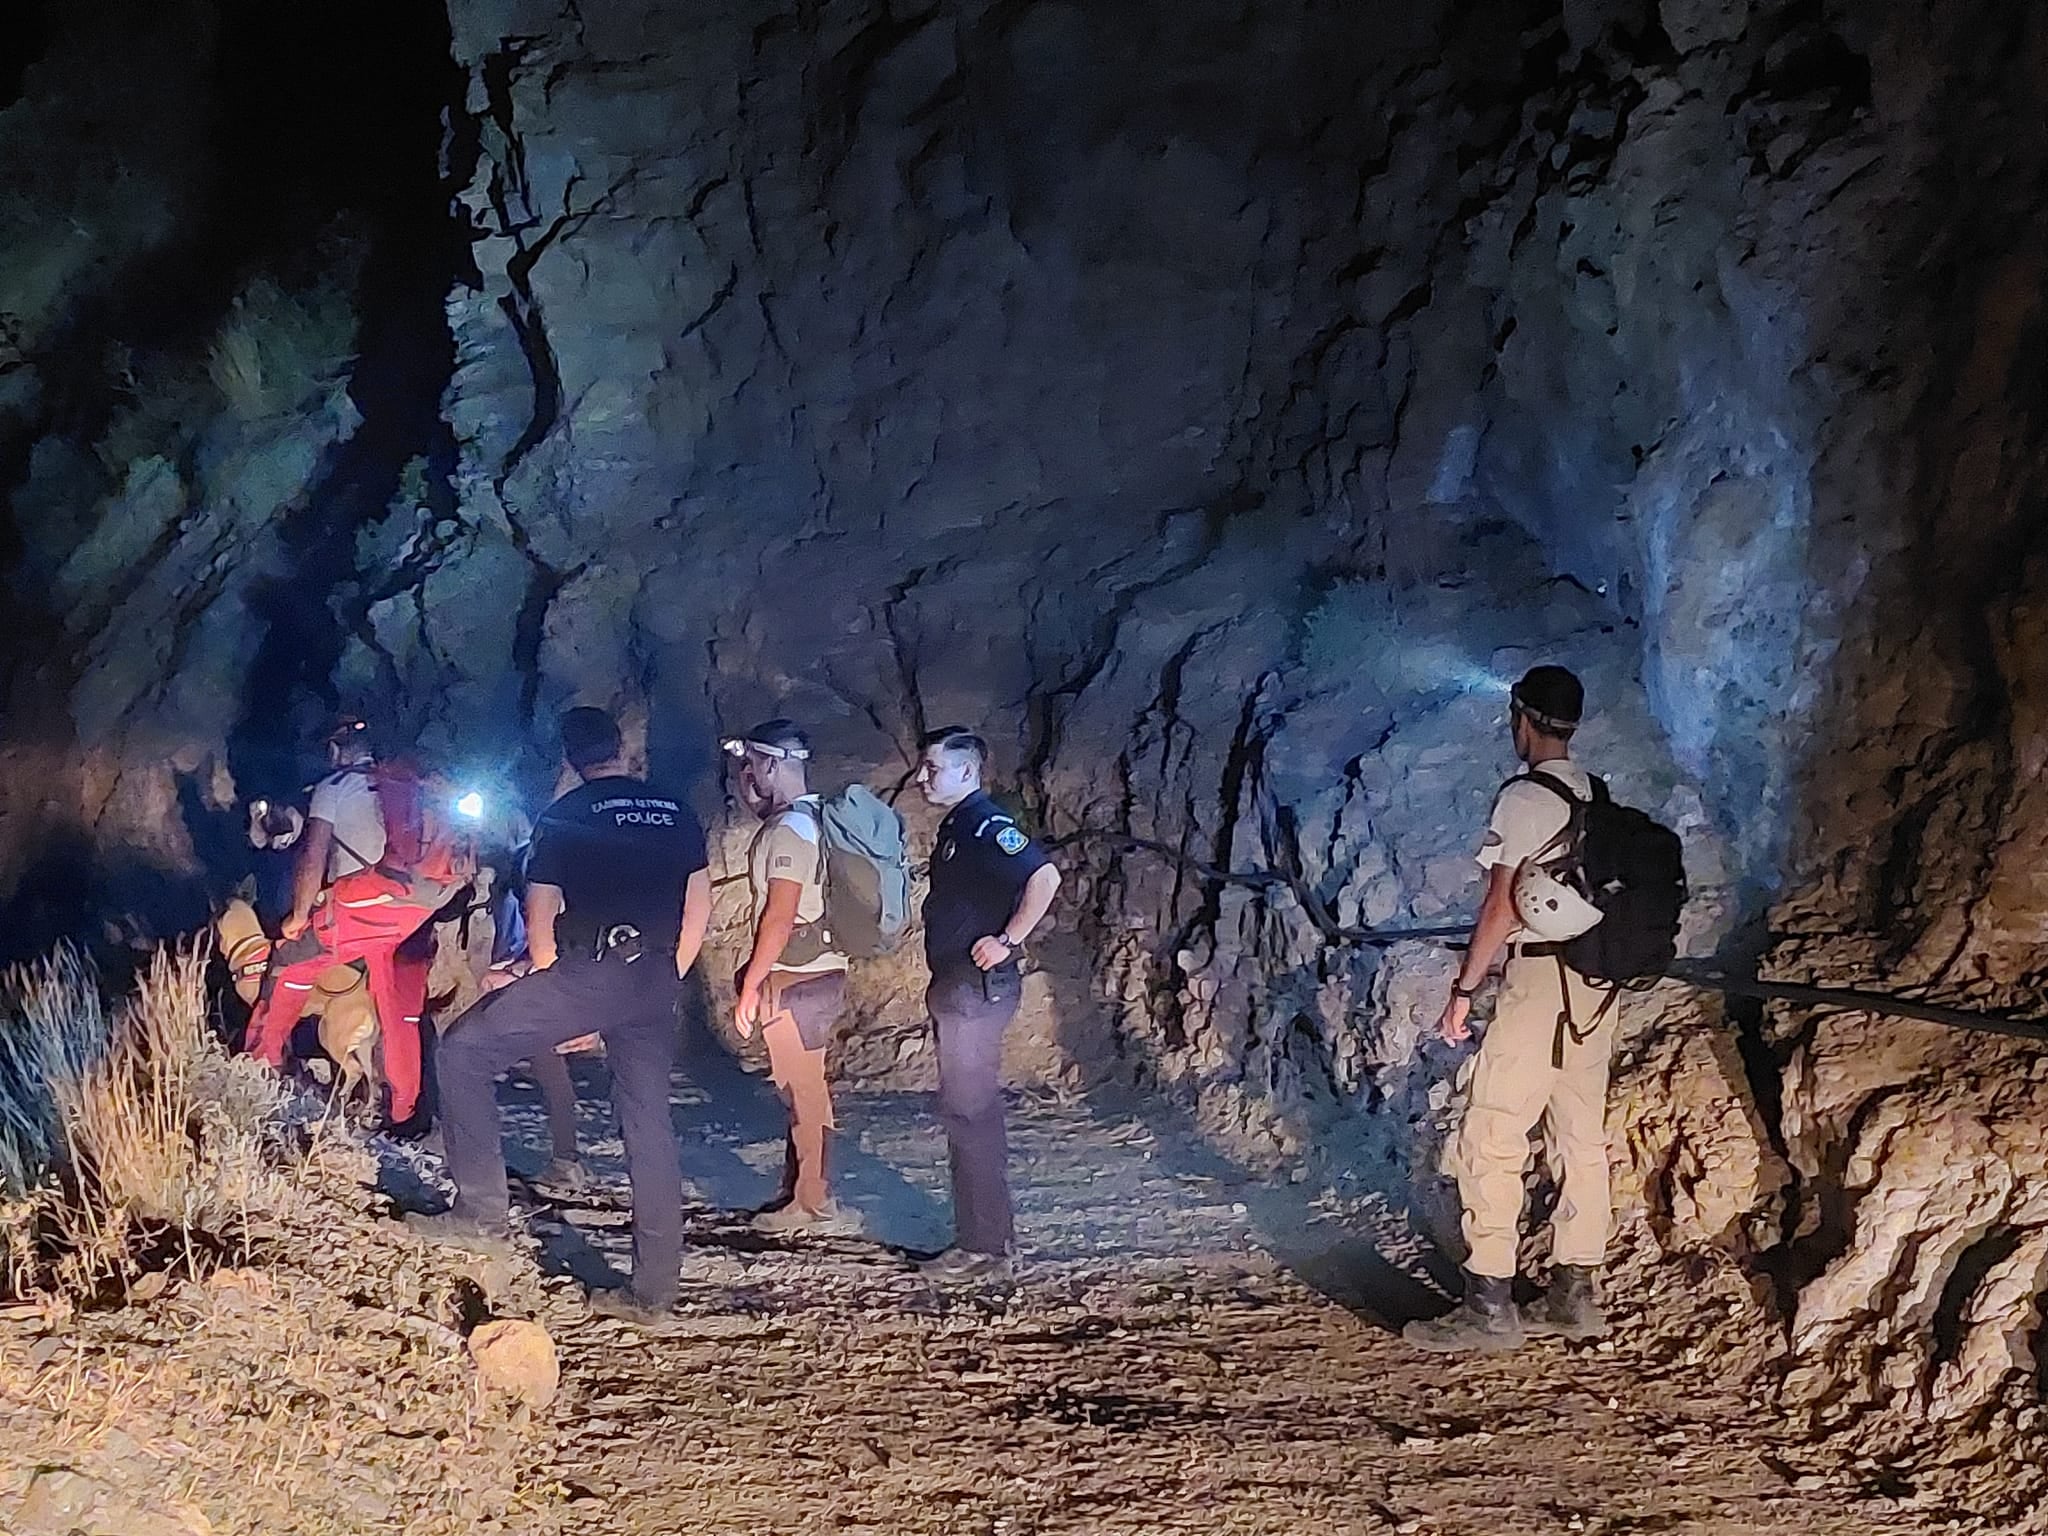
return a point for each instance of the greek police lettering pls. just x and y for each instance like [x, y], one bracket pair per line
[628, 811]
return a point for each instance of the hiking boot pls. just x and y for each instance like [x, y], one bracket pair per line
[1569, 1309]
[1484, 1323]
[485, 1240]
[416, 1129]
[966, 1264]
[829, 1220]
[623, 1306]
[562, 1174]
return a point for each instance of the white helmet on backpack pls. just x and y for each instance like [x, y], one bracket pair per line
[1549, 908]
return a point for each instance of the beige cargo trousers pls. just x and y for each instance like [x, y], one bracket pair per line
[1531, 1070]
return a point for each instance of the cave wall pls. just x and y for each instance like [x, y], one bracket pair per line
[82, 211]
[1122, 385]
[1046, 309]
[219, 300]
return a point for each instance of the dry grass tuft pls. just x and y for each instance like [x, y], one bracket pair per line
[276, 350]
[155, 1145]
[53, 1024]
[165, 1133]
[214, 1330]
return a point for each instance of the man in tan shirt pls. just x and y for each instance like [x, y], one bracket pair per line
[794, 984]
[1544, 1060]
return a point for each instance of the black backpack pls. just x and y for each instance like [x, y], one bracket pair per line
[1633, 869]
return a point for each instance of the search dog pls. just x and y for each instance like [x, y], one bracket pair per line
[341, 1003]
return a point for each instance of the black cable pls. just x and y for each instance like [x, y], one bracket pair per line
[1264, 879]
[1691, 973]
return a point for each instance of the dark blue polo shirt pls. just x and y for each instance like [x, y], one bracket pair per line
[979, 868]
[622, 852]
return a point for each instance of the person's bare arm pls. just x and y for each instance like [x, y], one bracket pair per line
[309, 875]
[1032, 904]
[1496, 925]
[542, 906]
[696, 918]
[771, 934]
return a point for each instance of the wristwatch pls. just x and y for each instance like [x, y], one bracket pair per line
[1468, 993]
[1004, 939]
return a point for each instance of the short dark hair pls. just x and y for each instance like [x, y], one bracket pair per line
[1552, 699]
[960, 742]
[780, 733]
[590, 737]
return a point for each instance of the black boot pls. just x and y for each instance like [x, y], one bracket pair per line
[1484, 1323]
[1570, 1309]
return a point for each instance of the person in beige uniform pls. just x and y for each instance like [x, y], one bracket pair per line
[794, 984]
[1533, 1066]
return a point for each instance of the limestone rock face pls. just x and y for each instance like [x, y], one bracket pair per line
[1921, 1252]
[187, 337]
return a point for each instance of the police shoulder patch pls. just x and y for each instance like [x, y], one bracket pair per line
[1011, 840]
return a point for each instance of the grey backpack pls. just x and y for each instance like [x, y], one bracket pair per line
[864, 866]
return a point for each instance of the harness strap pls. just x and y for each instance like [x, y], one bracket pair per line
[342, 843]
[334, 832]
[1565, 1024]
[1573, 831]
[245, 969]
[818, 930]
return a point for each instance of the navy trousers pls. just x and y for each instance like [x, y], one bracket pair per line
[970, 1010]
[634, 1008]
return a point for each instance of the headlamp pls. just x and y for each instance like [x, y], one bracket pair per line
[1551, 723]
[739, 746]
[260, 807]
[470, 806]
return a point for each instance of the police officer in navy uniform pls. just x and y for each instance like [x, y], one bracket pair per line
[618, 895]
[990, 886]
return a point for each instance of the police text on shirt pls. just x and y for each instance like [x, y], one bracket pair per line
[631, 812]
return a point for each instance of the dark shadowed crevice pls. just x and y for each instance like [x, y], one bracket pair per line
[382, 169]
[1976, 1261]
[1825, 1209]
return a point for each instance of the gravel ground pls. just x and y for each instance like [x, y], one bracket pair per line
[1181, 1349]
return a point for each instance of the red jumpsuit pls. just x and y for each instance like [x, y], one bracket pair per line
[370, 928]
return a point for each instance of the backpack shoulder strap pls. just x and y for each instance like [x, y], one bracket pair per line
[1558, 787]
[342, 843]
[1568, 837]
[814, 807]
